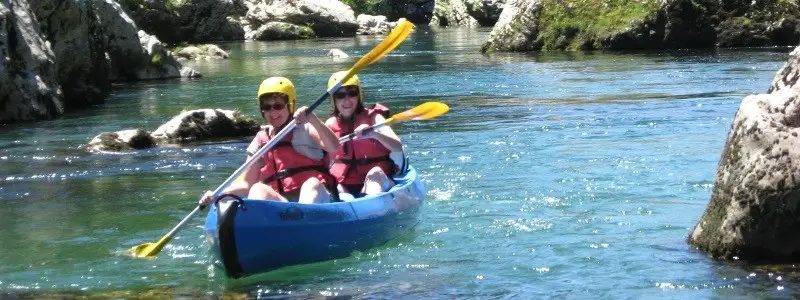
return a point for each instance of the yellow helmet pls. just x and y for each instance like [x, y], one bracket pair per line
[339, 75]
[279, 85]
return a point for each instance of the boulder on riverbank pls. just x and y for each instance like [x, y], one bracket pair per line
[648, 24]
[207, 51]
[297, 19]
[452, 13]
[65, 54]
[192, 21]
[28, 74]
[371, 25]
[188, 126]
[754, 211]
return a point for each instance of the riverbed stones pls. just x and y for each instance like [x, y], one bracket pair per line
[754, 211]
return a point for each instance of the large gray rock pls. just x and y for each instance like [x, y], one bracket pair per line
[517, 28]
[754, 211]
[486, 12]
[280, 31]
[204, 124]
[133, 54]
[201, 52]
[327, 18]
[370, 25]
[29, 88]
[193, 21]
[452, 13]
[787, 77]
[76, 40]
[188, 126]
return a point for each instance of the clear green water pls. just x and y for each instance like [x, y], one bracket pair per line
[567, 175]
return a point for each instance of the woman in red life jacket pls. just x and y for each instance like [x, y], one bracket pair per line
[296, 169]
[362, 165]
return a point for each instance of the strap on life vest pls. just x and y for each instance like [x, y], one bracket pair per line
[363, 161]
[289, 172]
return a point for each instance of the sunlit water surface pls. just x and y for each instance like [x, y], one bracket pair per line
[575, 175]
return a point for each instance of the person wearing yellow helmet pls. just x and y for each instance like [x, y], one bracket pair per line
[363, 165]
[296, 169]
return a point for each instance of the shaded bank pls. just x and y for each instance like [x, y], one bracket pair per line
[531, 25]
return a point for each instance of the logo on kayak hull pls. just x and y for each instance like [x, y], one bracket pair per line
[291, 214]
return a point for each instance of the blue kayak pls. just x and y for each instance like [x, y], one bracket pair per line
[256, 236]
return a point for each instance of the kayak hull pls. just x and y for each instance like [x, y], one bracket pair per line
[256, 236]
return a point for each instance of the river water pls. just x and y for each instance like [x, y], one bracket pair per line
[567, 175]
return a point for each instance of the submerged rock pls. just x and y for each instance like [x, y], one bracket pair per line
[119, 141]
[336, 53]
[754, 211]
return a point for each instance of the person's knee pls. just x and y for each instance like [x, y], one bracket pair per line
[376, 174]
[263, 192]
[313, 191]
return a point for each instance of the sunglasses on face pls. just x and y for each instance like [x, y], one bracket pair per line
[276, 106]
[349, 93]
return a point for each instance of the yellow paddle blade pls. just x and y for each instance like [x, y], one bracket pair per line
[397, 36]
[150, 249]
[424, 111]
[394, 39]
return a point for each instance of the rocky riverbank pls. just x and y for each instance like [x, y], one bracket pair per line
[532, 25]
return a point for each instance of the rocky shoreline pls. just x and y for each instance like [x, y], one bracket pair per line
[64, 54]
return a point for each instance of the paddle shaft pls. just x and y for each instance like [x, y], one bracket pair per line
[366, 131]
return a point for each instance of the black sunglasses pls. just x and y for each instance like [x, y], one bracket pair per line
[349, 93]
[276, 106]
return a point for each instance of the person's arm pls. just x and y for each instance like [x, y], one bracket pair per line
[320, 134]
[384, 134]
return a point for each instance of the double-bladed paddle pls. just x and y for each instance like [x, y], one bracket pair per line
[397, 36]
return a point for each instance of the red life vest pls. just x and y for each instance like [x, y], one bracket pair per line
[353, 159]
[285, 169]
